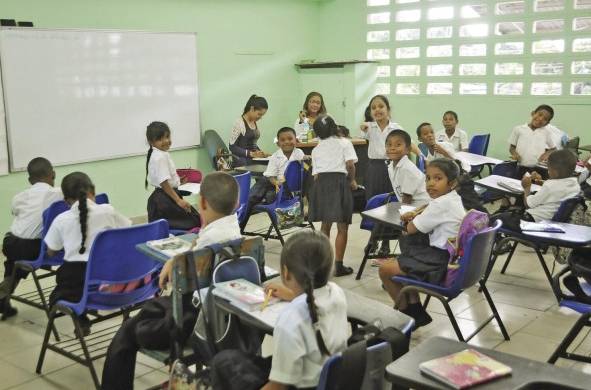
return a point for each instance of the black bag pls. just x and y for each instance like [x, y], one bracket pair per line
[359, 199]
[579, 263]
[470, 198]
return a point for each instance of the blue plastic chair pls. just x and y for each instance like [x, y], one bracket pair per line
[421, 163]
[473, 266]
[102, 198]
[378, 357]
[478, 145]
[563, 214]
[367, 224]
[244, 191]
[113, 259]
[294, 177]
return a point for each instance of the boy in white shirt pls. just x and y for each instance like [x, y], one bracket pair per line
[218, 198]
[451, 133]
[23, 241]
[432, 148]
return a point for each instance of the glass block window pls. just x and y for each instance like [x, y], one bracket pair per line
[408, 70]
[439, 88]
[473, 50]
[508, 88]
[439, 51]
[440, 32]
[378, 36]
[548, 26]
[378, 18]
[472, 88]
[408, 16]
[407, 89]
[473, 11]
[377, 3]
[547, 68]
[408, 34]
[580, 88]
[383, 71]
[382, 88]
[474, 30]
[509, 28]
[408, 52]
[440, 70]
[548, 89]
[472, 69]
[508, 68]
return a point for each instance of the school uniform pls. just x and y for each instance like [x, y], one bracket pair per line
[243, 139]
[530, 144]
[459, 139]
[23, 241]
[160, 205]
[424, 254]
[543, 204]
[585, 182]
[376, 176]
[559, 137]
[64, 233]
[330, 196]
[449, 148]
[278, 162]
[407, 179]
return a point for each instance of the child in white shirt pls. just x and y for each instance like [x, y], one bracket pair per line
[23, 241]
[74, 231]
[451, 133]
[423, 249]
[333, 168]
[166, 202]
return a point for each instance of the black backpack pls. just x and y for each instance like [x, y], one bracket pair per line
[579, 263]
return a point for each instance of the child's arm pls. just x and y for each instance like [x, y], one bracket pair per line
[415, 149]
[271, 385]
[544, 156]
[280, 291]
[172, 193]
[526, 184]
[441, 150]
[513, 153]
[351, 174]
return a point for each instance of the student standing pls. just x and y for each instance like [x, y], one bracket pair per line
[451, 133]
[312, 108]
[245, 132]
[333, 168]
[23, 241]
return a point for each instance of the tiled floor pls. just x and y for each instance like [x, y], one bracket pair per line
[529, 310]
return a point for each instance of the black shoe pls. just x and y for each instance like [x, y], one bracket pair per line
[342, 270]
[84, 323]
[420, 315]
[7, 312]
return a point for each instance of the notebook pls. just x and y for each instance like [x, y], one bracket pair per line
[193, 188]
[464, 369]
[540, 227]
[243, 294]
[513, 187]
[170, 246]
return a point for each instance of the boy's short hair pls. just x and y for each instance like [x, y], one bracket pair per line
[420, 127]
[344, 131]
[220, 190]
[563, 162]
[402, 134]
[286, 130]
[547, 108]
[39, 168]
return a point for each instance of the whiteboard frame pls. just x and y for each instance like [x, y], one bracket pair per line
[12, 169]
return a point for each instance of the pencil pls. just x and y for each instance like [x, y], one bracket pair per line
[266, 301]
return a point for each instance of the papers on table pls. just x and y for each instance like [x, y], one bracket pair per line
[511, 186]
[543, 226]
[406, 209]
[193, 188]
[476, 159]
[170, 246]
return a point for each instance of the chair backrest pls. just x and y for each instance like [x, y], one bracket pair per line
[423, 148]
[479, 144]
[244, 267]
[49, 214]
[114, 259]
[102, 198]
[476, 257]
[506, 168]
[421, 164]
[572, 145]
[244, 191]
[213, 142]
[567, 207]
[374, 202]
[294, 177]
[378, 357]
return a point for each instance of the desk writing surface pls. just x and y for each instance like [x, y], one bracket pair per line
[492, 181]
[159, 256]
[405, 370]
[388, 214]
[477, 159]
[255, 169]
[573, 236]
[314, 142]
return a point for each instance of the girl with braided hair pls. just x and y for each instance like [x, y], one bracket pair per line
[74, 231]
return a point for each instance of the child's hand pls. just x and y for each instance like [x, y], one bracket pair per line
[184, 205]
[257, 154]
[407, 217]
[280, 291]
[526, 180]
[415, 149]
[184, 179]
[543, 157]
[165, 275]
[439, 149]
[515, 156]
[307, 158]
[353, 185]
[536, 177]
[363, 127]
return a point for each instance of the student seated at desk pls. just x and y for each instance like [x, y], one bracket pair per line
[265, 188]
[23, 241]
[423, 246]
[433, 148]
[542, 205]
[452, 134]
[74, 231]
[245, 132]
[150, 327]
[308, 331]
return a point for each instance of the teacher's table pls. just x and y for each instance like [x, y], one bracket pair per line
[526, 373]
[360, 146]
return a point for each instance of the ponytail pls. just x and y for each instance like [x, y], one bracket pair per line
[309, 289]
[256, 102]
[147, 163]
[83, 210]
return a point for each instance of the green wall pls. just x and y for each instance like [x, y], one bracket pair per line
[244, 47]
[477, 114]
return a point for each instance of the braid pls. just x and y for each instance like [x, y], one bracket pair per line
[147, 162]
[314, 316]
[83, 209]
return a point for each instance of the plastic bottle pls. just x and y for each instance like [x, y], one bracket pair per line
[306, 130]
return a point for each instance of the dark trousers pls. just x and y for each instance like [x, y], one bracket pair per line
[511, 219]
[15, 249]
[69, 280]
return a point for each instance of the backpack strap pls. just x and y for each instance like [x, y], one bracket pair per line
[352, 370]
[398, 341]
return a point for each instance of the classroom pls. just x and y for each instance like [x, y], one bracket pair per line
[222, 80]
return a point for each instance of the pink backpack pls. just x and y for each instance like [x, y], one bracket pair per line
[473, 222]
[192, 175]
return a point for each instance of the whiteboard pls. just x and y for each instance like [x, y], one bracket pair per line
[75, 96]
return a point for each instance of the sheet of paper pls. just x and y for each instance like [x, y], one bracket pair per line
[405, 208]
[193, 188]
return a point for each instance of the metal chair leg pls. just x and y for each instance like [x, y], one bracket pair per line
[44, 303]
[494, 310]
[509, 257]
[87, 357]
[363, 261]
[44, 346]
[569, 338]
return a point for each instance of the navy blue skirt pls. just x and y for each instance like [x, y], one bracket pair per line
[331, 199]
[421, 261]
[376, 179]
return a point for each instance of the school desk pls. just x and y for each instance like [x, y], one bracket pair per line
[360, 146]
[254, 169]
[578, 169]
[477, 159]
[492, 182]
[526, 373]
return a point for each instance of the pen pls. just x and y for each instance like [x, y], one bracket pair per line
[266, 301]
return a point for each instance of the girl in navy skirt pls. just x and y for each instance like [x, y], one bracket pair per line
[333, 168]
[423, 248]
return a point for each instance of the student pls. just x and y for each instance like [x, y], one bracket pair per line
[217, 200]
[311, 328]
[585, 178]
[559, 137]
[245, 132]
[74, 231]
[423, 248]
[543, 204]
[408, 182]
[166, 201]
[312, 108]
[432, 148]
[265, 188]
[23, 241]
[451, 133]
[333, 168]
[531, 143]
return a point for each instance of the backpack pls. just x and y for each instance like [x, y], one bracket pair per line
[473, 222]
[578, 263]
[469, 196]
[581, 215]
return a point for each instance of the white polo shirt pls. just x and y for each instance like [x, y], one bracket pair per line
[297, 360]
[278, 162]
[331, 155]
[27, 209]
[441, 219]
[530, 144]
[407, 179]
[161, 168]
[377, 139]
[543, 204]
[558, 136]
[64, 232]
[459, 139]
[221, 230]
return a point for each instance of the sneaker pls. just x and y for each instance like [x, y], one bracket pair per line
[378, 262]
[342, 270]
